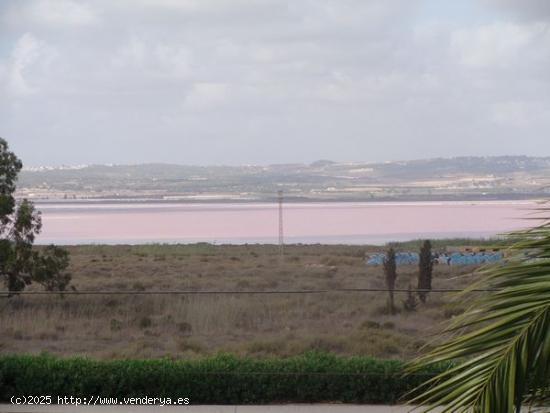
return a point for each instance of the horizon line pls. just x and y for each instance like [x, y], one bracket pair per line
[37, 168]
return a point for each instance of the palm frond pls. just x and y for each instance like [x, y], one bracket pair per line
[501, 344]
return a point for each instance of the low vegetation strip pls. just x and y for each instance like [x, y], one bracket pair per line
[221, 379]
[350, 319]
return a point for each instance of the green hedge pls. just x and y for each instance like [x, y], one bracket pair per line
[222, 379]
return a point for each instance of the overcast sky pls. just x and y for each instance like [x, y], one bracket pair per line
[273, 81]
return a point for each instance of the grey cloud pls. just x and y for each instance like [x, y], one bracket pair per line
[260, 81]
[526, 9]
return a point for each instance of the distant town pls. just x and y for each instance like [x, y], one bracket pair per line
[452, 179]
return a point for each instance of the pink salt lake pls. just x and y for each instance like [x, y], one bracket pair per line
[346, 223]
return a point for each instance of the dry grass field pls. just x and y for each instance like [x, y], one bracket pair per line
[122, 326]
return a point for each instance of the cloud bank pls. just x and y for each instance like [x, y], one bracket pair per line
[273, 81]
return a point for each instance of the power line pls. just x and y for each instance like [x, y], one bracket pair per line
[246, 292]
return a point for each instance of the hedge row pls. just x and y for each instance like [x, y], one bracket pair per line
[222, 379]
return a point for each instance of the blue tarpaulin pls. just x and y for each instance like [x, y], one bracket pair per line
[455, 258]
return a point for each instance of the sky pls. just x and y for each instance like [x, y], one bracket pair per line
[233, 82]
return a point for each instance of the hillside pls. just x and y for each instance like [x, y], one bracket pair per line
[463, 178]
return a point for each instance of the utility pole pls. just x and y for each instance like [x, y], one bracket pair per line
[281, 232]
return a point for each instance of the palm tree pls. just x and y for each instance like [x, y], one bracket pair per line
[499, 349]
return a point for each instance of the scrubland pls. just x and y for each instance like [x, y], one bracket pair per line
[188, 326]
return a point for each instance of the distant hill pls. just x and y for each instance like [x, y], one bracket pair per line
[462, 178]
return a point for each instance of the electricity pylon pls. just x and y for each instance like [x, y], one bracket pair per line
[281, 232]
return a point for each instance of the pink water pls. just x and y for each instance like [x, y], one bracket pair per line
[351, 223]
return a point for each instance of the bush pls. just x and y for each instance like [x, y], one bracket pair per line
[370, 324]
[388, 325]
[116, 325]
[223, 379]
[145, 322]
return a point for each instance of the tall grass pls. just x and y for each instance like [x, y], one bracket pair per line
[188, 326]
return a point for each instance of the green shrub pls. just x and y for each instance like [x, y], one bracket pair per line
[370, 324]
[190, 345]
[145, 322]
[184, 327]
[116, 325]
[223, 379]
[388, 325]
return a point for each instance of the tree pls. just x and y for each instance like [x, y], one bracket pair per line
[411, 302]
[501, 344]
[425, 270]
[390, 271]
[20, 223]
